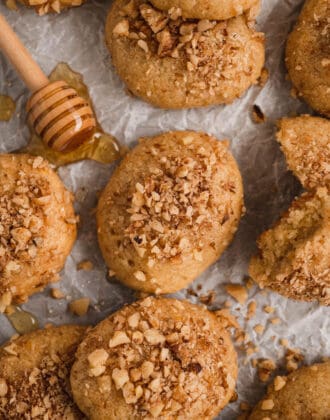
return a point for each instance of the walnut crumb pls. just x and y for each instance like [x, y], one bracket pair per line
[267, 404]
[57, 293]
[238, 292]
[279, 382]
[79, 306]
[85, 265]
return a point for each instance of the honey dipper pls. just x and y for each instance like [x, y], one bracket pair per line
[57, 113]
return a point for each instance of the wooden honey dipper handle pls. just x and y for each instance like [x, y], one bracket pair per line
[20, 58]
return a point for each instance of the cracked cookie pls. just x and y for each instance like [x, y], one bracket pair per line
[173, 63]
[155, 358]
[305, 141]
[207, 9]
[34, 375]
[294, 255]
[169, 210]
[302, 395]
[308, 55]
[37, 226]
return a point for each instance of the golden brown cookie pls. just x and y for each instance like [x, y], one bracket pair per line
[48, 6]
[169, 210]
[294, 256]
[34, 375]
[207, 9]
[156, 358]
[174, 63]
[37, 226]
[305, 142]
[303, 395]
[308, 55]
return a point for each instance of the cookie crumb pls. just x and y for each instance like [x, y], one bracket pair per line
[269, 309]
[238, 292]
[79, 306]
[85, 265]
[259, 329]
[57, 293]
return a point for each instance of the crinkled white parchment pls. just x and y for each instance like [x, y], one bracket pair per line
[77, 37]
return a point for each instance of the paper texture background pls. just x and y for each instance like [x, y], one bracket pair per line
[77, 37]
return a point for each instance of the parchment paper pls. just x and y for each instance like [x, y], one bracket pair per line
[77, 37]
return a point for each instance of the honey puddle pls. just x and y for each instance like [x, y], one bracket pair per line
[23, 322]
[7, 108]
[101, 147]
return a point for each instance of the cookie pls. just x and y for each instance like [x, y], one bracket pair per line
[34, 375]
[294, 256]
[305, 142]
[156, 358]
[173, 63]
[169, 210]
[51, 6]
[207, 9]
[308, 55]
[37, 226]
[303, 395]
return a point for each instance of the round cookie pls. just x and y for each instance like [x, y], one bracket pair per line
[37, 226]
[305, 142]
[155, 358]
[308, 55]
[207, 9]
[174, 63]
[169, 210]
[303, 395]
[34, 375]
[294, 256]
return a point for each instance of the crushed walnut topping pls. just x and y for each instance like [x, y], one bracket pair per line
[170, 207]
[47, 6]
[40, 393]
[158, 361]
[21, 219]
[203, 45]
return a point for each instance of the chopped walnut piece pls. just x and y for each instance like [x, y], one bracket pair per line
[98, 357]
[156, 20]
[238, 292]
[154, 337]
[267, 405]
[122, 28]
[85, 265]
[118, 339]
[279, 382]
[269, 309]
[252, 307]
[265, 369]
[79, 306]
[3, 387]
[259, 329]
[120, 377]
[57, 293]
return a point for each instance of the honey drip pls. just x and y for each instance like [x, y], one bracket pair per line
[7, 108]
[101, 147]
[23, 322]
